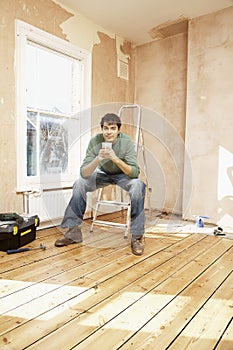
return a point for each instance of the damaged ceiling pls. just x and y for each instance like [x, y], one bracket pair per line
[141, 21]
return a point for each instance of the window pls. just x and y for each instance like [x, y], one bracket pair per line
[53, 88]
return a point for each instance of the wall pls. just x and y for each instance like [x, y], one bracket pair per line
[210, 118]
[161, 69]
[107, 87]
[190, 146]
[38, 13]
[52, 17]
[161, 89]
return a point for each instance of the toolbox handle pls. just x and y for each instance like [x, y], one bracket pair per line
[11, 216]
[13, 251]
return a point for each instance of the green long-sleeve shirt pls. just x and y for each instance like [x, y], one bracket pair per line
[123, 148]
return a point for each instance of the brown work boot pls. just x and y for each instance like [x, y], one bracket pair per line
[137, 246]
[73, 235]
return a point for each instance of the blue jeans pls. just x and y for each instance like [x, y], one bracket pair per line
[76, 208]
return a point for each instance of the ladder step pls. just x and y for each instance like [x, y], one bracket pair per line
[109, 223]
[122, 204]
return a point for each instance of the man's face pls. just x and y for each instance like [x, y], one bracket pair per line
[110, 132]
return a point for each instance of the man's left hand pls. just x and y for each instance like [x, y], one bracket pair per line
[107, 153]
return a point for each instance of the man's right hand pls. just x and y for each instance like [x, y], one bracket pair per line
[106, 153]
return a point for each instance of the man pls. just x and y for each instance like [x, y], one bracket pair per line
[104, 166]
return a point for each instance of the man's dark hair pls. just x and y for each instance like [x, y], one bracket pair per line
[111, 118]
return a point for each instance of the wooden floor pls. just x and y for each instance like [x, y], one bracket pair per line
[97, 295]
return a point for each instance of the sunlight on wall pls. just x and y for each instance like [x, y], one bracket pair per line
[225, 173]
[225, 185]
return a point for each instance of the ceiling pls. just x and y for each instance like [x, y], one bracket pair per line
[134, 19]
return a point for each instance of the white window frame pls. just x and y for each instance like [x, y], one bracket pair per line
[24, 33]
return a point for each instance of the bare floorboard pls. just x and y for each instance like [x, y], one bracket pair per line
[97, 295]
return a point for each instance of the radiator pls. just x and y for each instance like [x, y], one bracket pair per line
[48, 205]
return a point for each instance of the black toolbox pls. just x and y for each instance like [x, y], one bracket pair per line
[18, 231]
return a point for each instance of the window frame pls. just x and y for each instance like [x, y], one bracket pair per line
[25, 33]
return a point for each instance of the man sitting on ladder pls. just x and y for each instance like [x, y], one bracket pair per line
[104, 166]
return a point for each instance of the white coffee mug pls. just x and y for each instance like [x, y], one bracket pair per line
[106, 145]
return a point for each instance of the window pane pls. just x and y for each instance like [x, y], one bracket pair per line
[53, 145]
[31, 145]
[49, 80]
[53, 86]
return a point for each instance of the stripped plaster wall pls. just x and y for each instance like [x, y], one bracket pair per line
[52, 17]
[107, 86]
[209, 119]
[106, 49]
[161, 89]
[202, 165]
[39, 14]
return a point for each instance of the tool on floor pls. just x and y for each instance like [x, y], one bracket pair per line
[20, 250]
[199, 220]
[219, 231]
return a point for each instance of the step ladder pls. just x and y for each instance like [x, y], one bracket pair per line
[124, 204]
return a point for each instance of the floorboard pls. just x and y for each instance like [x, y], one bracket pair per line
[177, 295]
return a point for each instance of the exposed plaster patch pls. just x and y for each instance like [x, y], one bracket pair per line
[81, 31]
[169, 28]
[126, 47]
[24, 7]
[3, 21]
[122, 54]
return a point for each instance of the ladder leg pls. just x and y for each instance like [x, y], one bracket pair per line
[139, 141]
[96, 209]
[127, 221]
[149, 189]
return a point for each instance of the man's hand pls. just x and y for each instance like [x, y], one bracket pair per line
[104, 153]
[107, 153]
